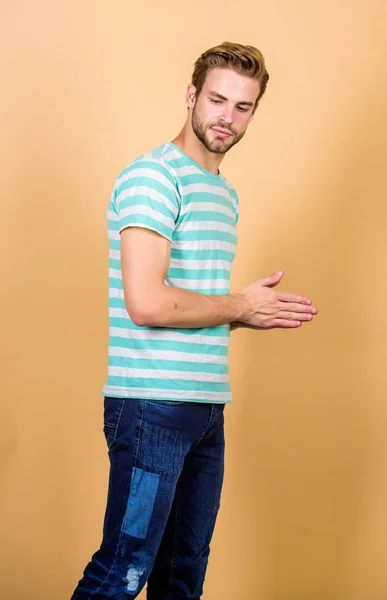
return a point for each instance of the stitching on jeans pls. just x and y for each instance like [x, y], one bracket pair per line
[139, 433]
[118, 419]
[176, 535]
[122, 525]
[209, 422]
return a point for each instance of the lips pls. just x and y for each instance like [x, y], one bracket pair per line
[221, 132]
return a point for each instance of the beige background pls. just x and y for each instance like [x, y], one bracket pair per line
[85, 88]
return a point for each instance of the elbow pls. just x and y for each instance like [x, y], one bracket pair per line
[142, 316]
[144, 309]
[140, 319]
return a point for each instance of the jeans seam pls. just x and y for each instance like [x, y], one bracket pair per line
[176, 535]
[209, 423]
[118, 419]
[123, 518]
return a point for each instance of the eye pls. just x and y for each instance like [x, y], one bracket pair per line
[215, 101]
[241, 109]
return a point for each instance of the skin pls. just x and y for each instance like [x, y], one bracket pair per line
[198, 138]
[226, 103]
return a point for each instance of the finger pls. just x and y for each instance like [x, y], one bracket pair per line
[295, 307]
[287, 297]
[294, 316]
[285, 323]
[272, 280]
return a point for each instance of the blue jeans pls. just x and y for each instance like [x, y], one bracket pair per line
[166, 475]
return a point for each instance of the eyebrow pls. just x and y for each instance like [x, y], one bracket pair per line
[244, 102]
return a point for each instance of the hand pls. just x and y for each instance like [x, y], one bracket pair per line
[269, 308]
[240, 325]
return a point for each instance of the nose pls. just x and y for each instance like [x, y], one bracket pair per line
[226, 115]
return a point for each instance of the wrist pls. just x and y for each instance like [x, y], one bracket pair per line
[243, 309]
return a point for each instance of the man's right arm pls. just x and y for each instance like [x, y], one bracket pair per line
[145, 257]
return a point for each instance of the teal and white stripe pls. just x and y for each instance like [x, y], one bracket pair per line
[166, 191]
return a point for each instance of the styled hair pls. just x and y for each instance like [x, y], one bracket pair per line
[246, 60]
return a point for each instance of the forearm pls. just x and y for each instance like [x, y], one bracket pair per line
[175, 307]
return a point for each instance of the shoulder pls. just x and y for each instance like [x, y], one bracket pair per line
[232, 192]
[229, 186]
[150, 168]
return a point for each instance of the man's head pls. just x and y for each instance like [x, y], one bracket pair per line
[227, 84]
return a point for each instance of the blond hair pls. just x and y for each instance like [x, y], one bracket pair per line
[246, 60]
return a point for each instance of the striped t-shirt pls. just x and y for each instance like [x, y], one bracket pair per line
[197, 211]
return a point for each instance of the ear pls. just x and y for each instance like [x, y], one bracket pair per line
[191, 96]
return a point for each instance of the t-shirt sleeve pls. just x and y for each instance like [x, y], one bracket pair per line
[146, 196]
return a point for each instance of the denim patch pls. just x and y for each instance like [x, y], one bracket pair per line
[140, 504]
[161, 450]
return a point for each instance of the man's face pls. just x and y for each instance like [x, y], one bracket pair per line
[223, 109]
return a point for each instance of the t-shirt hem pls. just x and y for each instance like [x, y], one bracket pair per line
[113, 392]
[141, 226]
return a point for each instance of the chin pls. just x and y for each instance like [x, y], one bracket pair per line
[219, 147]
[220, 150]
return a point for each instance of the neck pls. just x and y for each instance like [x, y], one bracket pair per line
[190, 144]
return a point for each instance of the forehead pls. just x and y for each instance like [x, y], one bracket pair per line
[232, 85]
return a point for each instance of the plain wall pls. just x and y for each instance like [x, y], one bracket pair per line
[85, 88]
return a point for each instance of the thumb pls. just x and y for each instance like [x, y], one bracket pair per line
[272, 280]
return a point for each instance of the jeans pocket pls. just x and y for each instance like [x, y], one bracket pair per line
[113, 408]
[166, 402]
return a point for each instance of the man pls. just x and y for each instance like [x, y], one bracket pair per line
[172, 234]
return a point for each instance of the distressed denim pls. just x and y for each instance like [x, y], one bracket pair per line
[166, 475]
